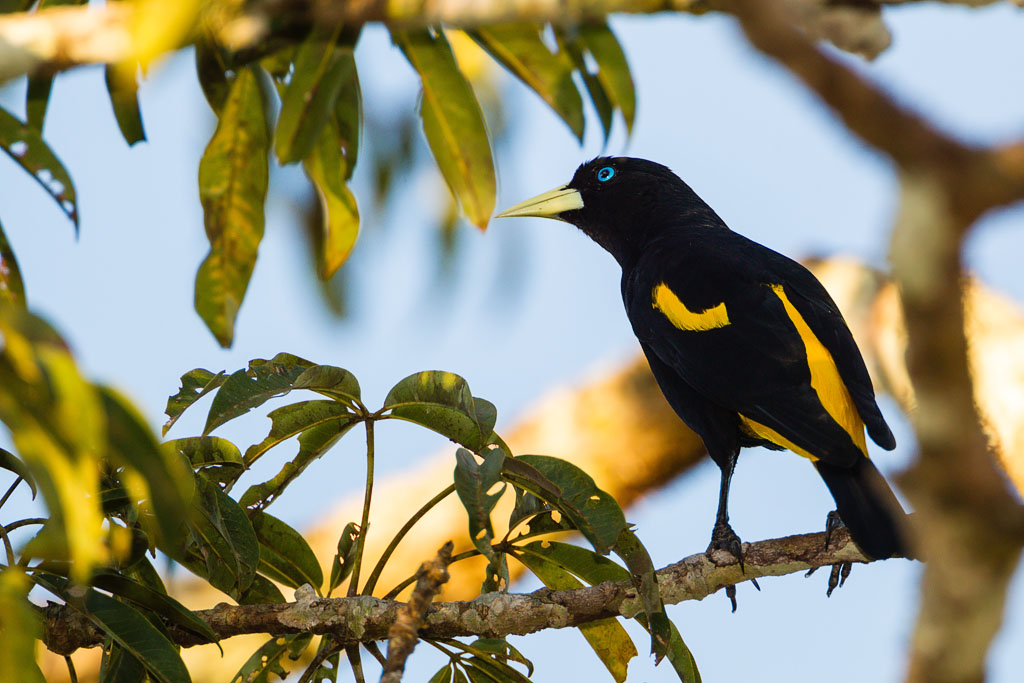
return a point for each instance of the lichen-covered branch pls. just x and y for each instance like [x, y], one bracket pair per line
[365, 618]
[969, 526]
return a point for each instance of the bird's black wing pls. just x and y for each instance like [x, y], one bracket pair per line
[704, 302]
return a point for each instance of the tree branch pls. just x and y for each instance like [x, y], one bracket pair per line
[364, 618]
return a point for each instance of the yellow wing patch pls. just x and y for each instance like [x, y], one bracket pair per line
[755, 428]
[825, 380]
[665, 300]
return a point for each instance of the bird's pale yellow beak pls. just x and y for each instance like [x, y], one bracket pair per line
[548, 205]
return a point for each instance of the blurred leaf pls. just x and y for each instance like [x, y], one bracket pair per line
[125, 625]
[519, 48]
[37, 99]
[117, 666]
[453, 123]
[158, 27]
[348, 117]
[144, 572]
[613, 70]
[266, 660]
[327, 169]
[194, 385]
[211, 69]
[246, 389]
[160, 603]
[342, 564]
[569, 42]
[226, 539]
[321, 68]
[21, 627]
[207, 451]
[124, 99]
[12, 463]
[473, 484]
[607, 637]
[591, 510]
[233, 177]
[440, 401]
[12, 287]
[27, 148]
[641, 569]
[325, 422]
[285, 556]
[168, 482]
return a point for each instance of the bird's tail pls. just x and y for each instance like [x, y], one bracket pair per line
[868, 507]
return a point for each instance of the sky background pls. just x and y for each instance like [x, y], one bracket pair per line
[531, 304]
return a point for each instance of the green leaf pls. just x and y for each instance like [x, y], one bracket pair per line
[247, 389]
[262, 591]
[321, 423]
[635, 555]
[344, 559]
[207, 451]
[519, 48]
[168, 480]
[285, 556]
[473, 484]
[442, 402]
[321, 68]
[592, 511]
[327, 169]
[338, 383]
[118, 666]
[12, 287]
[226, 540]
[569, 43]
[494, 648]
[194, 385]
[160, 603]
[37, 99]
[27, 148]
[21, 627]
[211, 69]
[348, 117]
[613, 70]
[233, 177]
[493, 669]
[586, 564]
[453, 123]
[125, 102]
[125, 625]
[266, 660]
[608, 639]
[443, 675]
[10, 462]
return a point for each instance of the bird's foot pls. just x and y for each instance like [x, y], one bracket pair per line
[724, 538]
[841, 570]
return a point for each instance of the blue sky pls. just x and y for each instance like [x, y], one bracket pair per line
[533, 304]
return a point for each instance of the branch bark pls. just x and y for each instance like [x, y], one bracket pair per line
[364, 619]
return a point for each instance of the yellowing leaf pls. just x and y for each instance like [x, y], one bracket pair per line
[233, 177]
[453, 123]
[326, 168]
[159, 26]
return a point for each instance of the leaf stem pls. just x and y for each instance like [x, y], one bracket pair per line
[364, 523]
[10, 491]
[371, 583]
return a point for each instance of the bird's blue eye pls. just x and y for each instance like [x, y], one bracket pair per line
[605, 173]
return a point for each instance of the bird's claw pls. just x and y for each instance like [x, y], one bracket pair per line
[724, 538]
[832, 522]
[840, 572]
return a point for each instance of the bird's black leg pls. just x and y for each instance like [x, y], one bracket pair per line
[723, 537]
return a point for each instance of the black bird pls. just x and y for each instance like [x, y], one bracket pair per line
[745, 343]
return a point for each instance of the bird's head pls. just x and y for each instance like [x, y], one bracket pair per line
[620, 202]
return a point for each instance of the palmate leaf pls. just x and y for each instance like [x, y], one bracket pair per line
[247, 389]
[607, 637]
[442, 402]
[285, 556]
[453, 123]
[26, 146]
[126, 626]
[225, 540]
[519, 48]
[233, 177]
[296, 418]
[473, 484]
[266, 660]
[160, 603]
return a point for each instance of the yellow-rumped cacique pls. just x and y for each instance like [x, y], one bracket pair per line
[745, 343]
